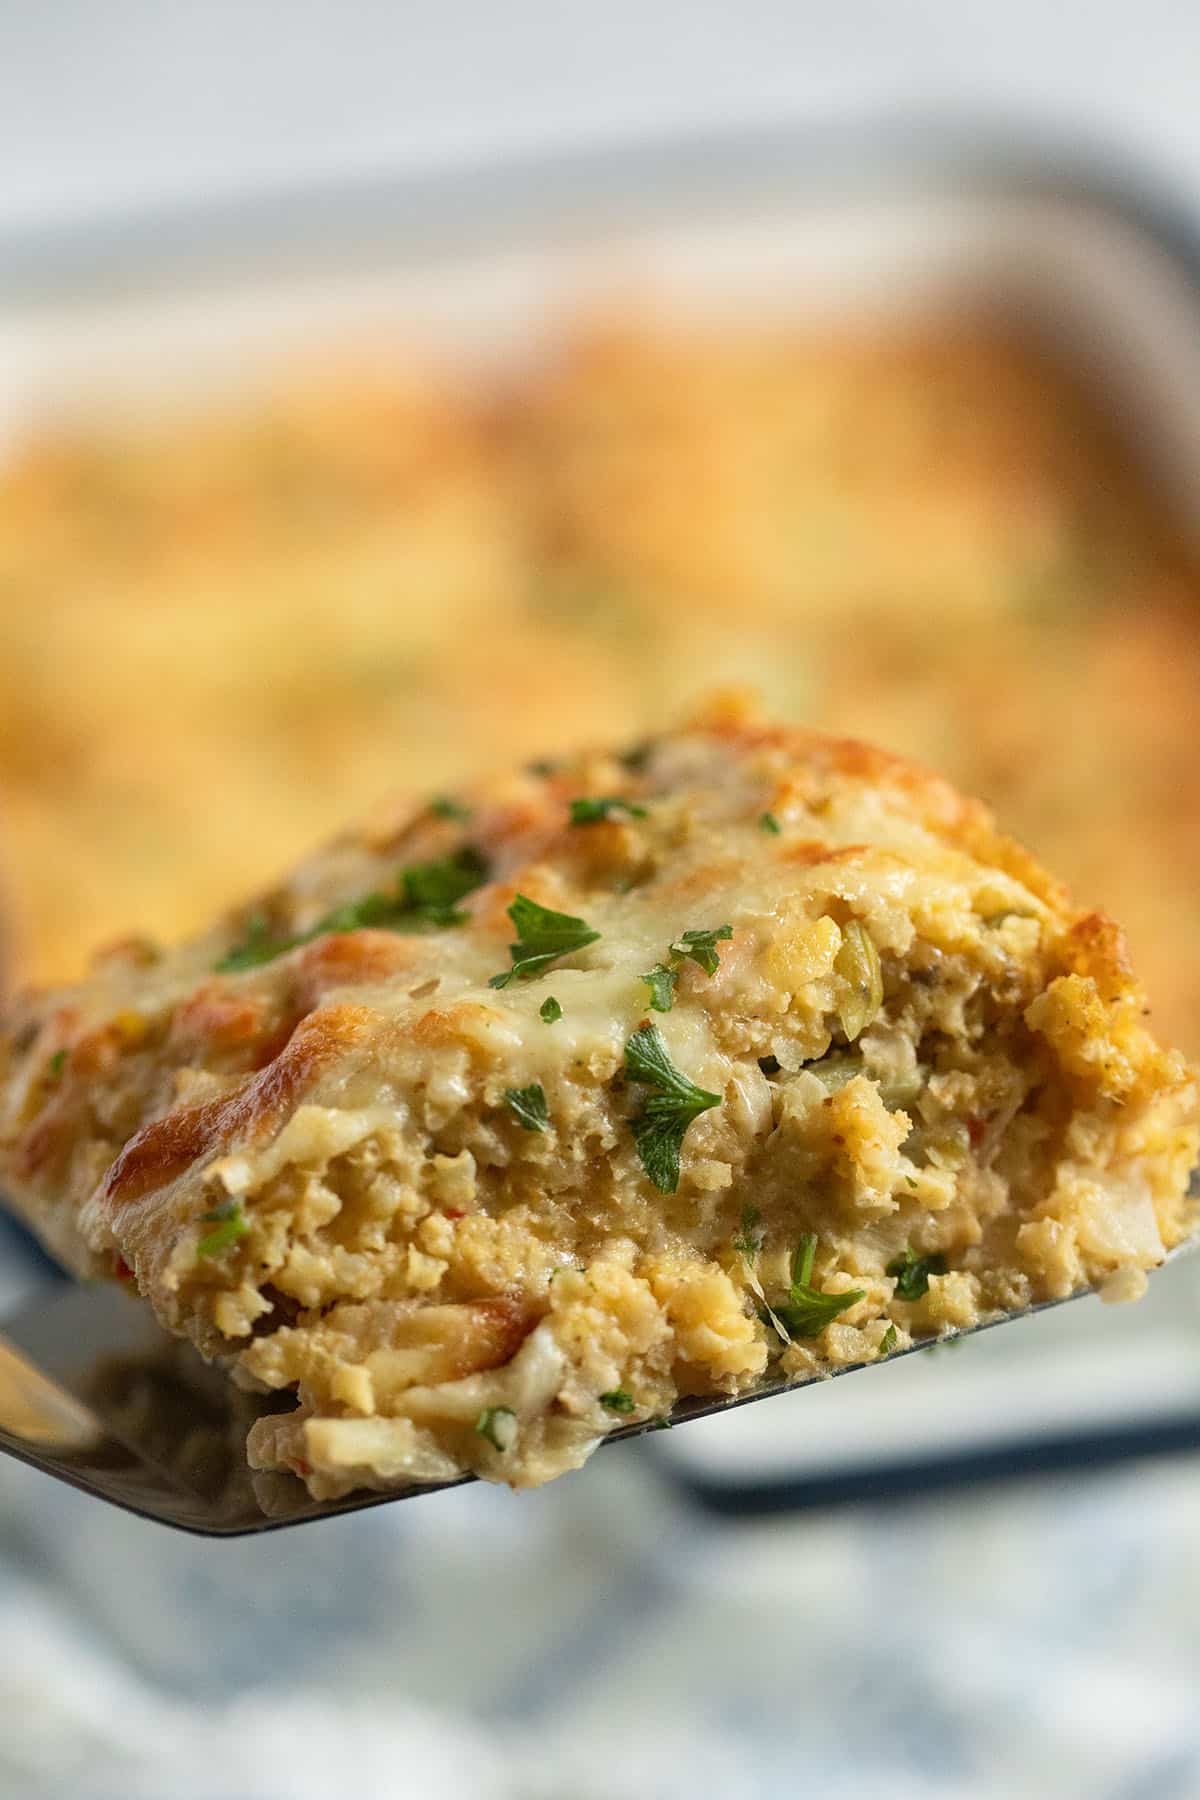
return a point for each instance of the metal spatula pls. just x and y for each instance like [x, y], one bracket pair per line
[92, 1391]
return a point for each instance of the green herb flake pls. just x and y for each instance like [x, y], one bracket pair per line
[618, 1401]
[57, 1064]
[427, 893]
[701, 947]
[230, 1227]
[659, 1129]
[431, 891]
[887, 1342]
[808, 1310]
[590, 811]
[259, 945]
[662, 1423]
[550, 1012]
[768, 822]
[373, 911]
[498, 1424]
[912, 1273]
[543, 937]
[661, 982]
[528, 1105]
[443, 807]
[750, 1240]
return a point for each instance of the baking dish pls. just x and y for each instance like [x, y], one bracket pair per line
[485, 269]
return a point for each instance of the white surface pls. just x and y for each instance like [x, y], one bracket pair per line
[106, 105]
[594, 1642]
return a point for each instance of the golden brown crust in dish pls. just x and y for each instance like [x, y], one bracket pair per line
[511, 1118]
[271, 582]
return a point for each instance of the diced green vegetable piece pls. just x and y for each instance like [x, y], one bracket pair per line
[230, 1226]
[857, 962]
[498, 1424]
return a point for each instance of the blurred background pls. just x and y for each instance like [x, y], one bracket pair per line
[386, 390]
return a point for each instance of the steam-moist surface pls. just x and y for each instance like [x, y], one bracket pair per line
[922, 1070]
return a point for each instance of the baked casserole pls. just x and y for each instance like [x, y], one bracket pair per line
[379, 576]
[516, 1115]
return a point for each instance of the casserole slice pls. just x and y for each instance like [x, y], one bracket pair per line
[514, 1115]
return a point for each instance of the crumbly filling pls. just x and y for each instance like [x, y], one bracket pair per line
[437, 1308]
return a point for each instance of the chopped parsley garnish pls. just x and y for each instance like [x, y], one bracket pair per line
[807, 1310]
[768, 822]
[701, 947]
[430, 891]
[618, 1401]
[750, 1242]
[912, 1273]
[443, 807]
[595, 811]
[498, 1424]
[427, 893]
[57, 1064]
[259, 945]
[230, 1226]
[661, 982]
[659, 1129]
[698, 946]
[887, 1342]
[528, 1105]
[543, 936]
[550, 1011]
